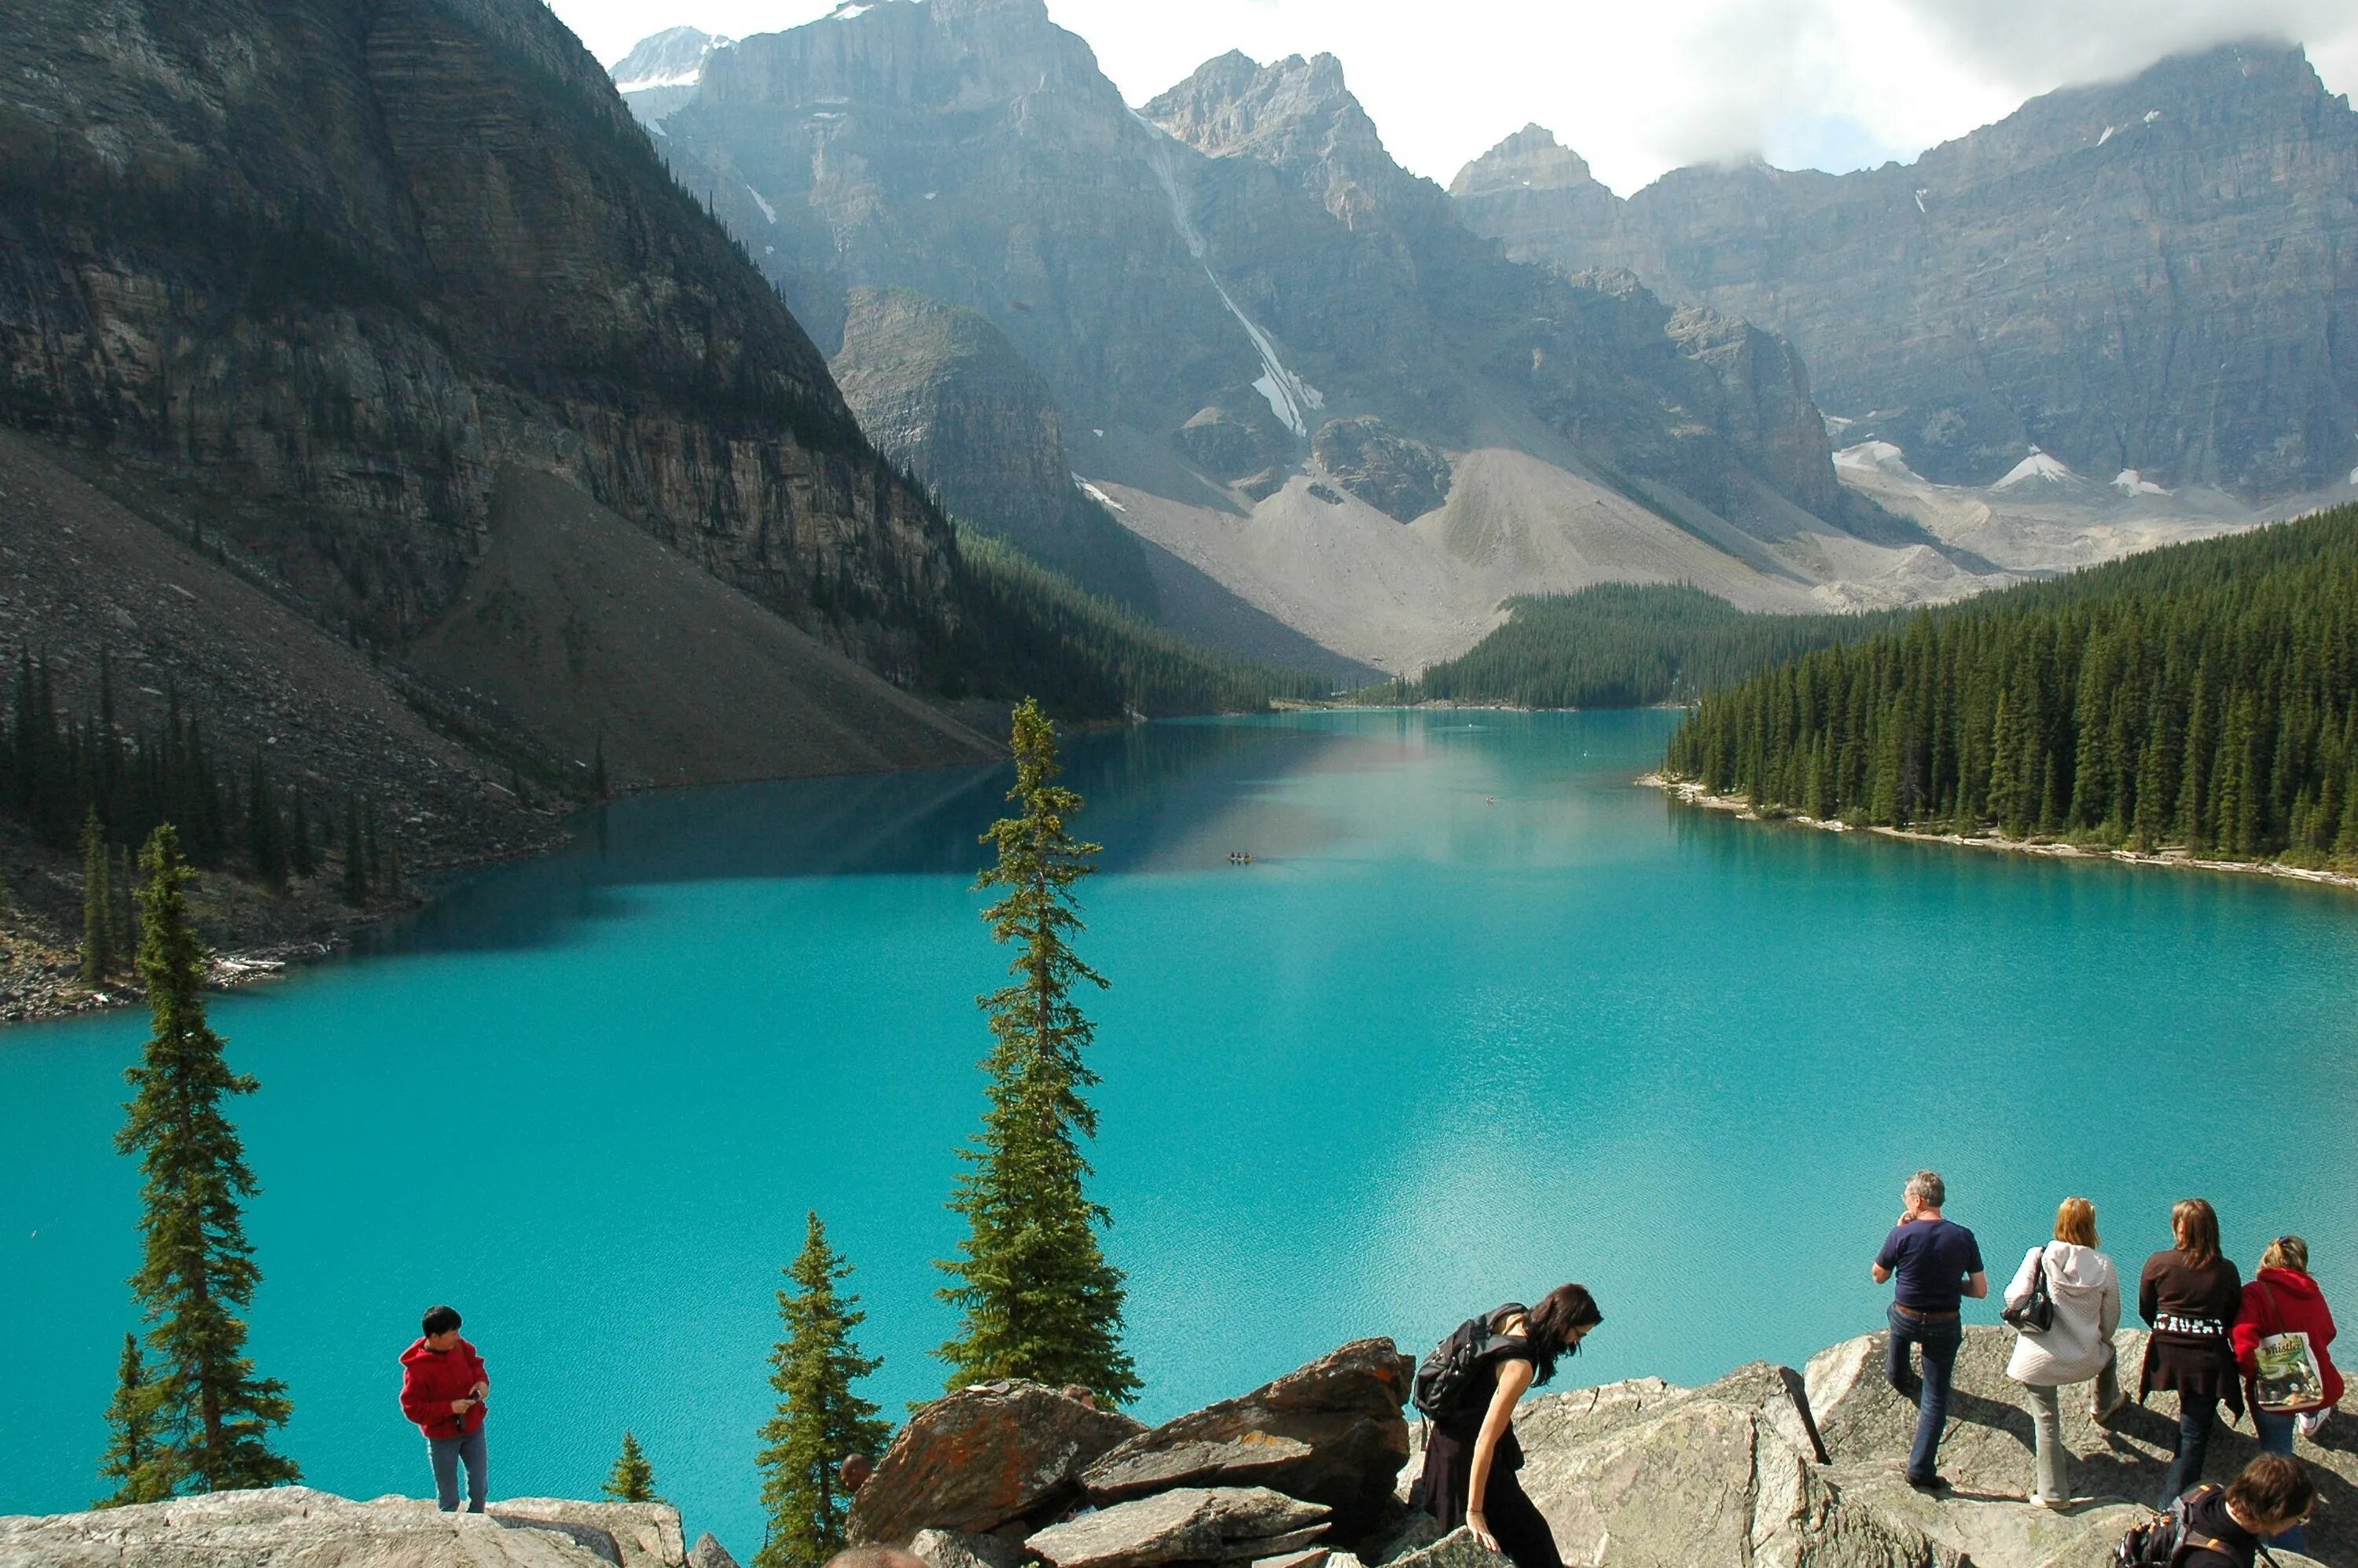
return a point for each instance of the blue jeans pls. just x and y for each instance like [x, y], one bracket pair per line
[2195, 1417]
[2275, 1437]
[446, 1453]
[1939, 1342]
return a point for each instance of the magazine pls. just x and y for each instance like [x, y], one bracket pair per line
[2288, 1377]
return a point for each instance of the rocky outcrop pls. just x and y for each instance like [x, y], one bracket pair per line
[985, 1456]
[1400, 476]
[942, 391]
[1188, 1524]
[2157, 275]
[661, 72]
[295, 1527]
[1331, 1432]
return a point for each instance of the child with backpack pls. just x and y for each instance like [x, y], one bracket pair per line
[2221, 1527]
[1467, 1389]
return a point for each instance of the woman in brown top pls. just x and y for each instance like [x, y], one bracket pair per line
[2190, 1295]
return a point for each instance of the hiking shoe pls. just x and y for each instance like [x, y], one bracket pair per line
[1934, 1484]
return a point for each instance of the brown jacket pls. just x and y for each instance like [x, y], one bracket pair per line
[2192, 1310]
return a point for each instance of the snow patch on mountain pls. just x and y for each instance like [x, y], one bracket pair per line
[759, 200]
[1289, 397]
[2037, 468]
[1881, 456]
[2128, 481]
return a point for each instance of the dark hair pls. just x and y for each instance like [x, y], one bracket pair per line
[2273, 1488]
[2194, 1225]
[1554, 1325]
[441, 1319]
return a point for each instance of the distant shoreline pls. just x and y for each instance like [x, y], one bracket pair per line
[1689, 793]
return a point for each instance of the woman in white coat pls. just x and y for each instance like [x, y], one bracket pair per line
[2077, 1346]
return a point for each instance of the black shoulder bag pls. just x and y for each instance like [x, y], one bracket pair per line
[2036, 1312]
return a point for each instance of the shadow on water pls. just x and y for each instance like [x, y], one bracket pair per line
[1150, 790]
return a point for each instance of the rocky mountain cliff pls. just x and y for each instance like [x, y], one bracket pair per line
[661, 72]
[2158, 275]
[331, 264]
[1205, 283]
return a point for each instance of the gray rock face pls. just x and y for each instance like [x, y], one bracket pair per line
[709, 1552]
[662, 70]
[1330, 1432]
[1400, 476]
[1188, 1524]
[951, 1549]
[461, 286]
[1245, 239]
[982, 1457]
[942, 391]
[2159, 274]
[295, 1527]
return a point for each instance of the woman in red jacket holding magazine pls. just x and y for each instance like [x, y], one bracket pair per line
[2280, 1345]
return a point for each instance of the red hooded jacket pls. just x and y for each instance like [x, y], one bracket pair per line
[430, 1379]
[2284, 1301]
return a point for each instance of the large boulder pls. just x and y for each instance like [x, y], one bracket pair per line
[979, 1458]
[1331, 1432]
[1188, 1524]
[297, 1527]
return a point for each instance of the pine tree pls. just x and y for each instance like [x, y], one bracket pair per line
[99, 956]
[214, 1415]
[131, 1455]
[633, 1479]
[265, 844]
[819, 1421]
[1038, 1297]
[299, 858]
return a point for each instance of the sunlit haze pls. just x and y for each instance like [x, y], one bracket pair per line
[1636, 89]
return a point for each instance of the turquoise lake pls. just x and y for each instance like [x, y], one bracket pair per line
[1480, 1018]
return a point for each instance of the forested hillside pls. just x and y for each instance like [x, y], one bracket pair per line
[2204, 695]
[1622, 646]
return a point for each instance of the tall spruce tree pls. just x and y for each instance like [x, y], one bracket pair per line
[130, 1461]
[213, 1415]
[819, 1419]
[1038, 1297]
[99, 956]
[633, 1479]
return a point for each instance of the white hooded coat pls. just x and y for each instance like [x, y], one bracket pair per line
[2087, 1292]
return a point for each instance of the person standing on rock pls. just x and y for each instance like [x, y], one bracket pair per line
[1472, 1456]
[1938, 1263]
[2191, 1296]
[443, 1385]
[2077, 1345]
[2284, 1300]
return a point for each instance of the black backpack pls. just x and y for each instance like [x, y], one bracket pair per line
[1446, 1374]
[2161, 1541]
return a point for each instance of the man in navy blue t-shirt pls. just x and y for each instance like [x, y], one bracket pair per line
[1938, 1264]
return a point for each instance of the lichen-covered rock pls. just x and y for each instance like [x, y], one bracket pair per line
[1330, 1432]
[1458, 1548]
[1188, 1524]
[297, 1527]
[1400, 476]
[976, 1459]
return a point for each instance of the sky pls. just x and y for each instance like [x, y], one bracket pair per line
[1637, 87]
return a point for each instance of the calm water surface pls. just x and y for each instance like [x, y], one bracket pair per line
[1480, 1018]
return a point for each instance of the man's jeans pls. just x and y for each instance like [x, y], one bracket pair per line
[446, 1453]
[1939, 1341]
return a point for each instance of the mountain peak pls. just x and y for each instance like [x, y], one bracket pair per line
[673, 58]
[1530, 160]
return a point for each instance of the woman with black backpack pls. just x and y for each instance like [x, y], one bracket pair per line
[1468, 1389]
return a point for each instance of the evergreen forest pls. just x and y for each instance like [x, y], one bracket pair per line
[1622, 646]
[2202, 696]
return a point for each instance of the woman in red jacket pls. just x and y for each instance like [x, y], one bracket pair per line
[2283, 1298]
[443, 1385]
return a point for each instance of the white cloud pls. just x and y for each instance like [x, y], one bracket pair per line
[1637, 88]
